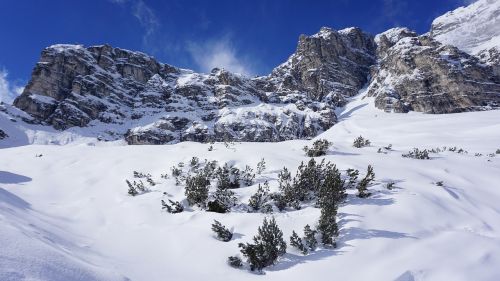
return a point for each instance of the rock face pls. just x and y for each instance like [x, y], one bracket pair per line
[120, 93]
[112, 93]
[417, 73]
[473, 29]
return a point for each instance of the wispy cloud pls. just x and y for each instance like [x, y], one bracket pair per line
[145, 15]
[220, 53]
[8, 91]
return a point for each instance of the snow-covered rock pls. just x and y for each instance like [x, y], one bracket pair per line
[474, 29]
[130, 94]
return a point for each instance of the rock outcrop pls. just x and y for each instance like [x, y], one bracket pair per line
[418, 73]
[119, 93]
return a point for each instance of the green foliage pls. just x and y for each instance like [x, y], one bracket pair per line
[261, 166]
[296, 241]
[417, 154]
[268, 245]
[319, 148]
[289, 194]
[363, 184]
[360, 142]
[172, 207]
[310, 238]
[259, 198]
[136, 188]
[196, 189]
[223, 200]
[327, 224]
[353, 176]
[234, 261]
[332, 188]
[228, 177]
[223, 233]
[247, 176]
[140, 175]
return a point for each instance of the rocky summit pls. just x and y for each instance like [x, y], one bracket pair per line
[119, 94]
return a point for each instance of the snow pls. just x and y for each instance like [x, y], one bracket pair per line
[66, 215]
[473, 28]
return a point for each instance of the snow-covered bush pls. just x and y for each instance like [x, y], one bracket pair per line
[223, 233]
[364, 182]
[310, 238]
[234, 261]
[327, 224]
[268, 245]
[136, 188]
[228, 177]
[417, 154]
[352, 174]
[196, 189]
[319, 148]
[247, 176]
[140, 175]
[223, 200]
[360, 142]
[259, 198]
[172, 207]
[261, 166]
[296, 241]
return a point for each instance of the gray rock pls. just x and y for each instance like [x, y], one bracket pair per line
[418, 73]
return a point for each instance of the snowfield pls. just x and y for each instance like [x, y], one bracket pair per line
[67, 216]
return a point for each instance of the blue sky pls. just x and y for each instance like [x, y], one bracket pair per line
[245, 36]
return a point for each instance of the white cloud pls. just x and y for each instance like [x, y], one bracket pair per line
[221, 54]
[146, 16]
[8, 92]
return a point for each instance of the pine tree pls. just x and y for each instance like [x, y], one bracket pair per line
[353, 176]
[296, 241]
[364, 182]
[260, 197]
[131, 189]
[221, 231]
[332, 187]
[319, 148]
[261, 166]
[327, 225]
[310, 238]
[308, 179]
[288, 191]
[196, 189]
[360, 142]
[247, 176]
[224, 199]
[268, 246]
[228, 177]
[173, 207]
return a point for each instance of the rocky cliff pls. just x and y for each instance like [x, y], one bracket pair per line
[122, 93]
[418, 73]
[119, 94]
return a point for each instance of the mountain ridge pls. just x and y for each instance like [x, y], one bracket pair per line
[119, 94]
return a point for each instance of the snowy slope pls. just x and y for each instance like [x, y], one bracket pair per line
[473, 28]
[417, 231]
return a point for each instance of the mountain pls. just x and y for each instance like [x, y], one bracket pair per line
[131, 94]
[418, 73]
[114, 94]
[473, 29]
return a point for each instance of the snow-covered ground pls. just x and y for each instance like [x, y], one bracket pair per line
[66, 215]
